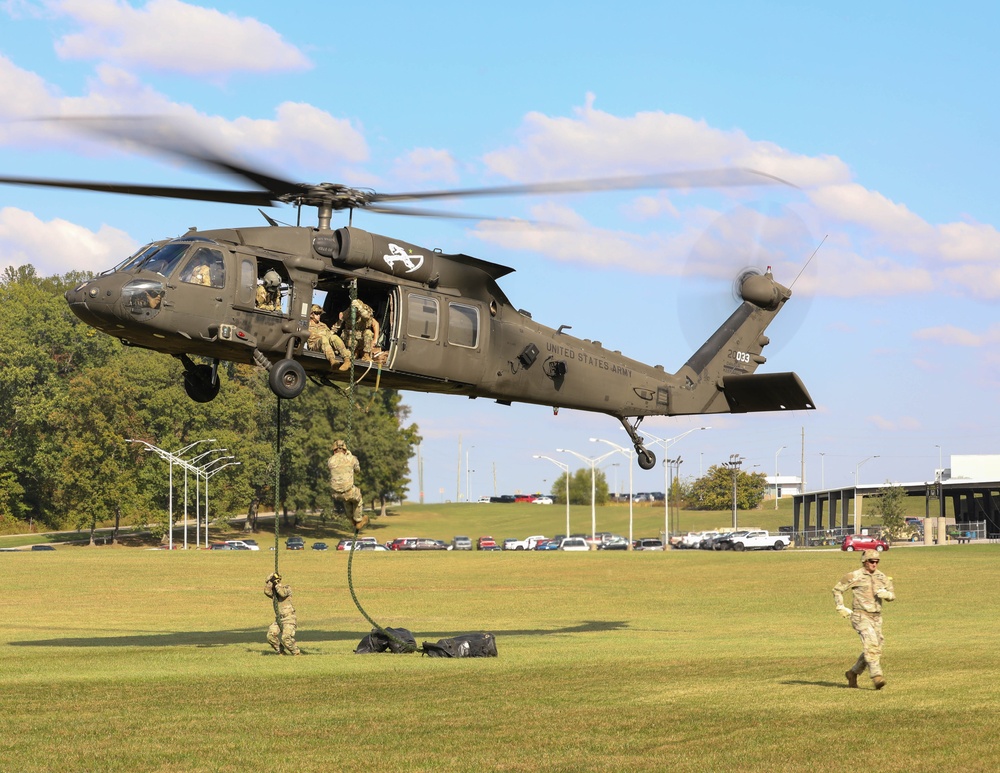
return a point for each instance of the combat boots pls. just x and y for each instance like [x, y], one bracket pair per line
[346, 365]
[879, 682]
[360, 522]
[852, 679]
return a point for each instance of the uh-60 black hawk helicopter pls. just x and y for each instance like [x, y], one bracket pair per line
[444, 323]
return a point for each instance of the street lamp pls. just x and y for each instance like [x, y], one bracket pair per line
[776, 475]
[666, 443]
[627, 452]
[675, 465]
[857, 471]
[209, 474]
[565, 468]
[822, 470]
[733, 465]
[593, 462]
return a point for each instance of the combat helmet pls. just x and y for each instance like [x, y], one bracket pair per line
[315, 309]
[339, 445]
[870, 555]
[272, 280]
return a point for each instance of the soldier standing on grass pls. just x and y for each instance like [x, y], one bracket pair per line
[869, 588]
[281, 633]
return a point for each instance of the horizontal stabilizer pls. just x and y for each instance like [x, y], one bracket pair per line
[766, 392]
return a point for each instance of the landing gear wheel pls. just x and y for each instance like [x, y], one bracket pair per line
[287, 379]
[647, 459]
[199, 385]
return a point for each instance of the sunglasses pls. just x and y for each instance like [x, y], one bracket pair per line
[872, 561]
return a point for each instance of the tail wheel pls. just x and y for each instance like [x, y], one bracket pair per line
[287, 379]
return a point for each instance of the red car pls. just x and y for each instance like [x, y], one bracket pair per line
[854, 542]
[485, 543]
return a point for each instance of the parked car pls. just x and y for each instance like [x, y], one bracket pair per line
[43, 547]
[854, 542]
[373, 546]
[524, 497]
[485, 500]
[461, 543]
[647, 543]
[548, 544]
[428, 544]
[614, 543]
[295, 543]
[319, 546]
[574, 543]
[399, 542]
[486, 542]
[543, 500]
[217, 546]
[243, 544]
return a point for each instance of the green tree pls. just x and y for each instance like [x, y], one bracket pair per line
[579, 488]
[714, 490]
[889, 505]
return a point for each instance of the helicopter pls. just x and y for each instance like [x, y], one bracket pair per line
[443, 324]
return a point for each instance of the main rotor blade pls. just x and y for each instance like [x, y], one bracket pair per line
[255, 198]
[699, 178]
[166, 135]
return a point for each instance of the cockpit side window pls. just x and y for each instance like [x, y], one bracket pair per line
[205, 267]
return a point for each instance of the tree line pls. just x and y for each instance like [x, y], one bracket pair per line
[712, 491]
[70, 398]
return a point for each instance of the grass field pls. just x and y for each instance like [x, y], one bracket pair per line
[126, 659]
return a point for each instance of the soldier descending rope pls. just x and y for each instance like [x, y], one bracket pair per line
[281, 633]
[343, 465]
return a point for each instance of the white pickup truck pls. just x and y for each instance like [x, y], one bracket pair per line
[528, 543]
[761, 540]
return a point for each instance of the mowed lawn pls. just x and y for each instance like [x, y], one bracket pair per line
[126, 659]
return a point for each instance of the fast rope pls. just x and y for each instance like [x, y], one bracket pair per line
[352, 397]
[277, 484]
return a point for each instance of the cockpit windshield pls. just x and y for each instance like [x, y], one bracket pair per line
[164, 260]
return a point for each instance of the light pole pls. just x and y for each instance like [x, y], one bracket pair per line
[666, 443]
[776, 475]
[627, 453]
[197, 491]
[565, 468]
[857, 471]
[209, 474]
[675, 464]
[733, 465]
[940, 474]
[468, 475]
[593, 462]
[822, 470]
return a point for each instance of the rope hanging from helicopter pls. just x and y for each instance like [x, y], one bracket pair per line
[352, 398]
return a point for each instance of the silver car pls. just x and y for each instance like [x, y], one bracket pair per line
[461, 543]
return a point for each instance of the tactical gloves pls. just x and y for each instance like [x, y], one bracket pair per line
[885, 594]
[844, 611]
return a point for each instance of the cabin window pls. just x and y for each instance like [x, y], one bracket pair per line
[205, 267]
[248, 280]
[422, 317]
[463, 325]
[165, 259]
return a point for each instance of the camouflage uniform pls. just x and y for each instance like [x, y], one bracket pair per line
[321, 336]
[201, 276]
[267, 301]
[361, 339]
[343, 465]
[868, 589]
[281, 633]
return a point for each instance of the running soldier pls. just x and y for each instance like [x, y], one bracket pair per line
[343, 465]
[869, 588]
[281, 633]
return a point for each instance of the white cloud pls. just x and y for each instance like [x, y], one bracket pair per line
[172, 36]
[903, 423]
[951, 335]
[58, 246]
[423, 165]
[300, 140]
[594, 143]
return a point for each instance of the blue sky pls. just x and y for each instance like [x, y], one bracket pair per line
[885, 118]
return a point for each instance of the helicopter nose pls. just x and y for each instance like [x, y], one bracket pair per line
[93, 303]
